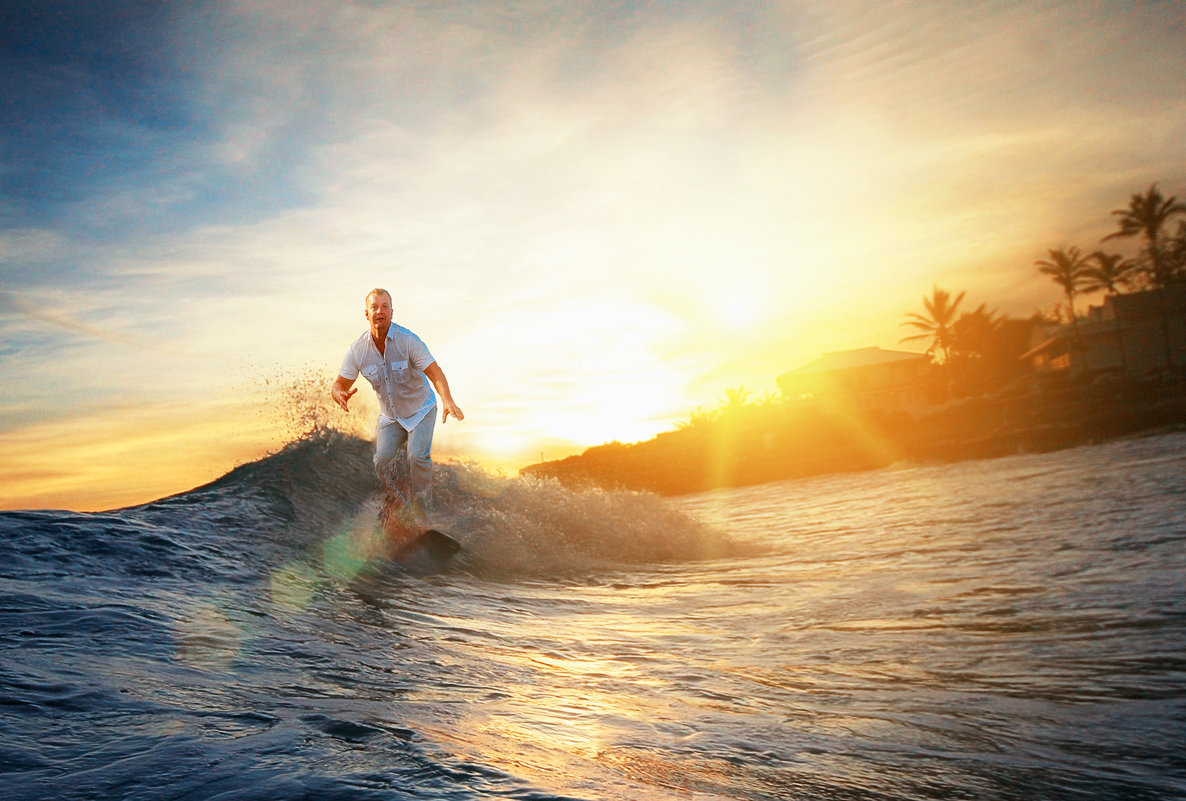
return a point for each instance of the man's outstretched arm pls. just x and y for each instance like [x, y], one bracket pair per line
[437, 376]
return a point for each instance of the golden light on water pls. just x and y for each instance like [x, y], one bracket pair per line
[553, 728]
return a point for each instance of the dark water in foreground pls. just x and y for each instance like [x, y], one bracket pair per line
[1008, 629]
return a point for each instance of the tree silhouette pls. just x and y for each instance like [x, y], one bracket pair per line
[936, 325]
[735, 398]
[698, 419]
[1067, 267]
[1109, 272]
[1174, 254]
[972, 333]
[971, 343]
[1145, 217]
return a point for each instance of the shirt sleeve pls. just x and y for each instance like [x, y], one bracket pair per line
[349, 368]
[418, 354]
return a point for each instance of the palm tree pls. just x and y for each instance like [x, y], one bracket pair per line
[698, 419]
[936, 325]
[1146, 216]
[972, 332]
[1175, 255]
[1067, 267]
[971, 344]
[1111, 272]
[735, 398]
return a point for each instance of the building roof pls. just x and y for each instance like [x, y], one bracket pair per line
[1144, 305]
[1135, 306]
[853, 359]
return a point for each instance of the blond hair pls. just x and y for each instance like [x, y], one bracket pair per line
[366, 302]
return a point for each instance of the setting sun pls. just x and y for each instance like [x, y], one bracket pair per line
[595, 235]
[738, 309]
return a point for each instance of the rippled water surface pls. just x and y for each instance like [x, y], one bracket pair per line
[1005, 629]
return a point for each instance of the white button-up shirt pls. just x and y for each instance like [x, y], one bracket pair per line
[397, 375]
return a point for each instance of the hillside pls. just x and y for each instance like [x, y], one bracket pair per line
[780, 440]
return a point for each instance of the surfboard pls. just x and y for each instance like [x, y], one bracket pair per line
[431, 551]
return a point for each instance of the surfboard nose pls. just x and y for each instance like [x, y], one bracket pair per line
[431, 551]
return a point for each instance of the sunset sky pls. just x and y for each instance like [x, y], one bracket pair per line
[598, 215]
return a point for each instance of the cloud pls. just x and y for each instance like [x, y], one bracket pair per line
[102, 460]
[570, 201]
[14, 304]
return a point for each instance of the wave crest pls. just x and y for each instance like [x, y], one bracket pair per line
[530, 525]
[314, 488]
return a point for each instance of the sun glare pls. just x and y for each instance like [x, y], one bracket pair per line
[738, 310]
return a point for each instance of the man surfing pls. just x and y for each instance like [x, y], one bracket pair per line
[399, 367]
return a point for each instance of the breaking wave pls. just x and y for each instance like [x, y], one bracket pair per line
[320, 493]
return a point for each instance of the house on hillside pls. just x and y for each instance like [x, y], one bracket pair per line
[1134, 335]
[869, 379]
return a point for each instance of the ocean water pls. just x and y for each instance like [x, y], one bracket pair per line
[1003, 629]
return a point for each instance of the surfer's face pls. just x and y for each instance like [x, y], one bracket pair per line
[378, 311]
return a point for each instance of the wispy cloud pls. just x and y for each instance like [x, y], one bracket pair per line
[100, 461]
[579, 206]
[14, 304]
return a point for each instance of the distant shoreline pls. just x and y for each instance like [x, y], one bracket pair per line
[786, 440]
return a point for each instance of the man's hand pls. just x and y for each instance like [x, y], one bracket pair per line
[343, 397]
[448, 407]
[341, 392]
